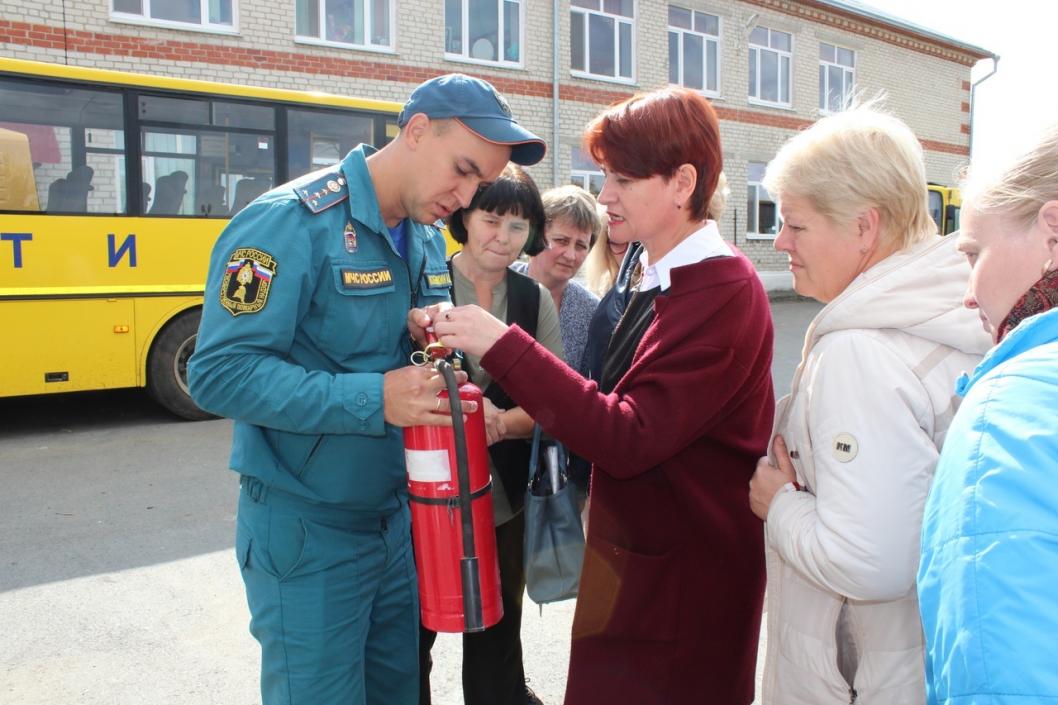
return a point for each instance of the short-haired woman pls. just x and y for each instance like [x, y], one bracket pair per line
[573, 226]
[988, 580]
[673, 578]
[858, 437]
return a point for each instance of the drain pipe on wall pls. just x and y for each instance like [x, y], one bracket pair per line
[973, 99]
[555, 143]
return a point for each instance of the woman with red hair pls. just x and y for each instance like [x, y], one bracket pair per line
[673, 580]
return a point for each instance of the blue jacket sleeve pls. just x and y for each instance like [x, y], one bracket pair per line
[242, 366]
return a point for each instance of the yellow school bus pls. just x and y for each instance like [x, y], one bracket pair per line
[945, 203]
[113, 188]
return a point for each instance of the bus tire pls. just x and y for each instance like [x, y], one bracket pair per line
[167, 366]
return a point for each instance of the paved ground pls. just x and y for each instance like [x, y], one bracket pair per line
[117, 581]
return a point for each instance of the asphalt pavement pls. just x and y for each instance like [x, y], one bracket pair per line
[118, 584]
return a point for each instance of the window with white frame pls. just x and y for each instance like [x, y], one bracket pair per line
[770, 56]
[586, 173]
[205, 14]
[600, 43]
[364, 24]
[694, 49]
[837, 76]
[484, 30]
[762, 215]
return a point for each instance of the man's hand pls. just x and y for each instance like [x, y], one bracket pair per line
[769, 479]
[419, 319]
[409, 397]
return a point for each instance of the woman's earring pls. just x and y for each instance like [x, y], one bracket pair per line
[1047, 267]
[678, 206]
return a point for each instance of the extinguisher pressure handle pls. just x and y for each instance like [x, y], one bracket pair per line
[433, 348]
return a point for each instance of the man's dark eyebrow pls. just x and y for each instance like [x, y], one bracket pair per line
[472, 167]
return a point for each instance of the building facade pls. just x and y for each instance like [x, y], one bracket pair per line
[771, 67]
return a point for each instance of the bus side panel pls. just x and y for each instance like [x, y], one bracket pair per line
[67, 345]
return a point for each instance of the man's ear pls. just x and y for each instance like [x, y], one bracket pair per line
[415, 131]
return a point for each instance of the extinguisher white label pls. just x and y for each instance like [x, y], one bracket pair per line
[428, 465]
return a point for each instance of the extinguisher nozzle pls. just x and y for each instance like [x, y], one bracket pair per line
[472, 615]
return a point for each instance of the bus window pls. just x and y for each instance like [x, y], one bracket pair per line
[18, 192]
[319, 138]
[76, 145]
[936, 208]
[213, 170]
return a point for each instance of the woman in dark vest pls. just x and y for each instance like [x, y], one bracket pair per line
[501, 222]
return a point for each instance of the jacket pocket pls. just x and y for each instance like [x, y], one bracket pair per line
[362, 315]
[627, 595]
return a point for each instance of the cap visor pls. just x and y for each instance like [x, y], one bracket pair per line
[526, 148]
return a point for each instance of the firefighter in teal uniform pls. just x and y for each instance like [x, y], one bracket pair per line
[304, 342]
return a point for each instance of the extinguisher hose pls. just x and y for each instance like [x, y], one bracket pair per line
[473, 620]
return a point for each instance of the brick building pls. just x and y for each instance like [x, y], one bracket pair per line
[770, 66]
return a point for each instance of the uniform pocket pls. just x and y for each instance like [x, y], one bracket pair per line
[288, 545]
[362, 314]
[243, 545]
[627, 595]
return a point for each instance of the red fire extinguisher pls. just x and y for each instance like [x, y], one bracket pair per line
[452, 517]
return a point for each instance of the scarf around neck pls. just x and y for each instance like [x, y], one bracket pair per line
[1041, 296]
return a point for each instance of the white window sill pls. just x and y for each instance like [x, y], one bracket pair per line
[768, 104]
[181, 26]
[760, 236]
[373, 48]
[604, 79]
[460, 59]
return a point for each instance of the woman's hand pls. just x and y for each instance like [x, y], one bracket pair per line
[419, 319]
[495, 429]
[471, 329]
[768, 479]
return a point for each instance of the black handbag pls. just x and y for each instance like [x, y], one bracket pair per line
[554, 536]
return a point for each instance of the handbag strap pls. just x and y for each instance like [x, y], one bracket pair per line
[534, 454]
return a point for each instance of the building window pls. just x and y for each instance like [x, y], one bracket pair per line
[586, 173]
[837, 75]
[363, 24]
[694, 43]
[769, 66]
[601, 39]
[205, 14]
[762, 215]
[484, 30]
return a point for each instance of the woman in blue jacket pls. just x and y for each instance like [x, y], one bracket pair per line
[988, 578]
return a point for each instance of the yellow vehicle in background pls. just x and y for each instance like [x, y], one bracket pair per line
[113, 189]
[944, 206]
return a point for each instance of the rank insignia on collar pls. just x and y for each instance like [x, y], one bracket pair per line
[349, 235]
[247, 279]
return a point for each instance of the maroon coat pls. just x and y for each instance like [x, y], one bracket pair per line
[673, 581]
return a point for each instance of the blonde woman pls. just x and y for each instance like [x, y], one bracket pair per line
[857, 439]
[603, 261]
[986, 583]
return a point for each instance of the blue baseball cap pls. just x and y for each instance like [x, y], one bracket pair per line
[477, 105]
